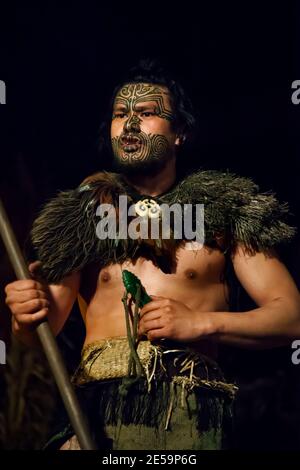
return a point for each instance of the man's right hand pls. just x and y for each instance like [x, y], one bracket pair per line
[28, 300]
[32, 301]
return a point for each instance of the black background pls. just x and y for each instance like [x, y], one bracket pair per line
[237, 61]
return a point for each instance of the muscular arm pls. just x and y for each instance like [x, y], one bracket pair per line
[276, 320]
[62, 298]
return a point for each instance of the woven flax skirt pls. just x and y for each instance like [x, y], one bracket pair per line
[180, 401]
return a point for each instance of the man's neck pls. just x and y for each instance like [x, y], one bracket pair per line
[154, 185]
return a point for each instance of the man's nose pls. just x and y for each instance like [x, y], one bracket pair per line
[132, 124]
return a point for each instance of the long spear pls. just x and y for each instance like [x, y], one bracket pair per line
[77, 418]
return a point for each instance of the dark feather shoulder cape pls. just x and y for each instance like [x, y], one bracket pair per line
[64, 234]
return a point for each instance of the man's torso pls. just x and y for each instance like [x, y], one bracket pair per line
[198, 282]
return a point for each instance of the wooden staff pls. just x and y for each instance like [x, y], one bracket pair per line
[77, 418]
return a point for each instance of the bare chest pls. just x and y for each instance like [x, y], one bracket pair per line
[195, 270]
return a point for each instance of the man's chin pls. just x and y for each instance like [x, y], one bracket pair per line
[137, 167]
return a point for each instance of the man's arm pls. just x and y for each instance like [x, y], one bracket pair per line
[276, 320]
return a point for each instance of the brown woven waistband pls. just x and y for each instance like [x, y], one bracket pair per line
[108, 359]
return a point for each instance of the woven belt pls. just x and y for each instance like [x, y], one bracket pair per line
[109, 358]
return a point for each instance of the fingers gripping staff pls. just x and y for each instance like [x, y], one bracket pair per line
[51, 350]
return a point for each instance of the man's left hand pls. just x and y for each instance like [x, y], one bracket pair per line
[168, 318]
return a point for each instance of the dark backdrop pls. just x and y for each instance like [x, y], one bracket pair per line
[237, 62]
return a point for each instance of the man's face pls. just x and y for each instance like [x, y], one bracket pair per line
[142, 134]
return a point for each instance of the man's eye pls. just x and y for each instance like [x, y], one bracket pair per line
[147, 114]
[119, 115]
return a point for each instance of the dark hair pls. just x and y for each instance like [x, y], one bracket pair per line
[152, 71]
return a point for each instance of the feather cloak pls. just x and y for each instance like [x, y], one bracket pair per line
[64, 234]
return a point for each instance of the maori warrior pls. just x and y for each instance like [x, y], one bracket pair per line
[155, 308]
[134, 381]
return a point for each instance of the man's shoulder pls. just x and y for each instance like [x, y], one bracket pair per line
[213, 187]
[98, 176]
[216, 178]
[235, 208]
[101, 177]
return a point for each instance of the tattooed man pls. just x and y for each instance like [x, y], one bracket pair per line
[149, 378]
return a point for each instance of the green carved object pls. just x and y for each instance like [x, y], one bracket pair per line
[131, 283]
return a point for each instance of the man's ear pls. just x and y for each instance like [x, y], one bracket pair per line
[180, 139]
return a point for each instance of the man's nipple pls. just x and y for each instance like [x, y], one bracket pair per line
[105, 276]
[190, 273]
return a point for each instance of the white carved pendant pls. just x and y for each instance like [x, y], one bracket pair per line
[148, 207]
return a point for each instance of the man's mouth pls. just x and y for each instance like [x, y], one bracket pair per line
[130, 142]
